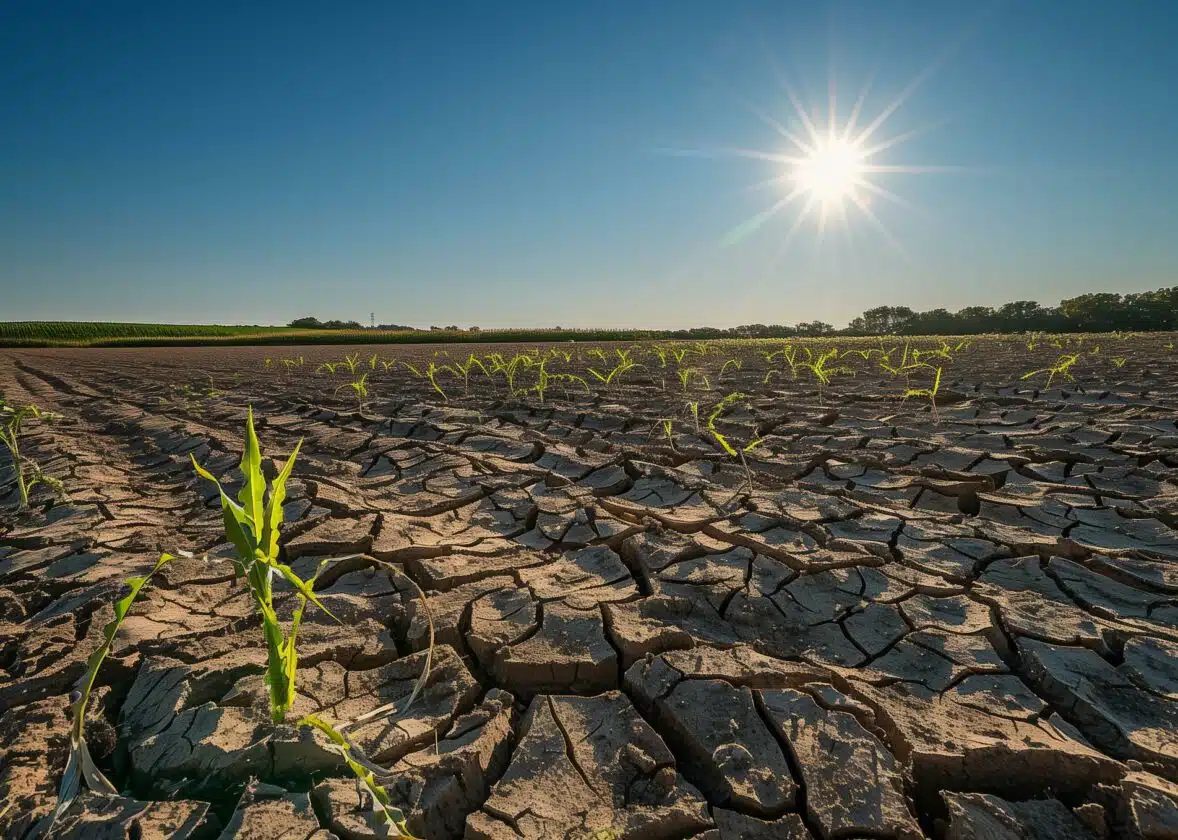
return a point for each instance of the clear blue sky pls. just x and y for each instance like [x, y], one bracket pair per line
[506, 163]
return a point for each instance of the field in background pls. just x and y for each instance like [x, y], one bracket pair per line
[105, 334]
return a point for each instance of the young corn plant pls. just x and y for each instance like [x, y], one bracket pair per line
[717, 410]
[692, 408]
[545, 379]
[251, 525]
[822, 372]
[930, 392]
[1061, 367]
[26, 472]
[360, 388]
[689, 373]
[465, 367]
[616, 373]
[667, 424]
[80, 768]
[431, 373]
[352, 362]
[328, 367]
[734, 364]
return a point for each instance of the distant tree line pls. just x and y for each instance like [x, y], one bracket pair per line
[1098, 312]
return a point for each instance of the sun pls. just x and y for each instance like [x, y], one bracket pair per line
[829, 165]
[832, 172]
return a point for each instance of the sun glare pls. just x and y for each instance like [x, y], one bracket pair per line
[832, 171]
[828, 165]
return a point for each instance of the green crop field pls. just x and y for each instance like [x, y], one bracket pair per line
[109, 334]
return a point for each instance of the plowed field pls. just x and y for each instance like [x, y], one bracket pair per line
[960, 624]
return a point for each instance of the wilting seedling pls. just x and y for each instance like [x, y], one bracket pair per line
[431, 374]
[717, 410]
[27, 472]
[80, 768]
[387, 817]
[930, 392]
[251, 524]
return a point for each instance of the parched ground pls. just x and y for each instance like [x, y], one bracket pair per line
[961, 625]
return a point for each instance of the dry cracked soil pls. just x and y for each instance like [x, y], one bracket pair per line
[960, 626]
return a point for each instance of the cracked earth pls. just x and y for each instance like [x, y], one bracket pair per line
[961, 627]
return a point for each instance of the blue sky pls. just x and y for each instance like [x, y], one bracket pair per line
[507, 163]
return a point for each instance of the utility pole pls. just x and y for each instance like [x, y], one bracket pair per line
[372, 320]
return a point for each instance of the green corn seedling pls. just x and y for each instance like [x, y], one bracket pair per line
[693, 409]
[735, 364]
[930, 392]
[352, 362]
[686, 375]
[545, 379]
[431, 374]
[667, 425]
[1119, 361]
[717, 410]
[616, 373]
[1061, 367]
[412, 370]
[360, 387]
[327, 366]
[80, 768]
[27, 472]
[465, 367]
[821, 371]
[251, 524]
[372, 362]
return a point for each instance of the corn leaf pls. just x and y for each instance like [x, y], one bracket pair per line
[254, 486]
[387, 818]
[290, 658]
[237, 526]
[272, 517]
[80, 766]
[303, 587]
